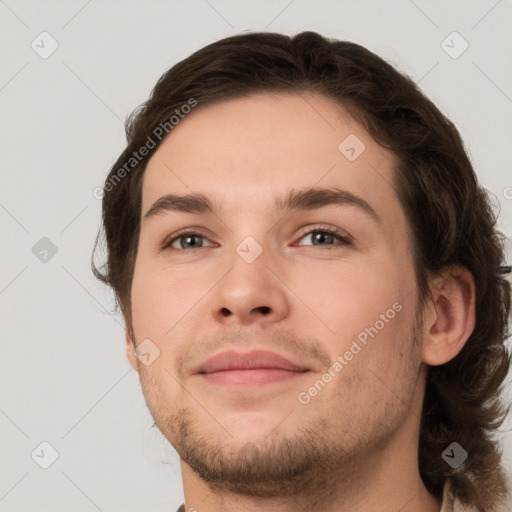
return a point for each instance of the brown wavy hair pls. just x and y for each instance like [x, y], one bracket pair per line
[451, 215]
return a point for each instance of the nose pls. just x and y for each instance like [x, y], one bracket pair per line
[251, 293]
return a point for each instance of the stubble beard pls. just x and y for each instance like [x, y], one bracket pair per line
[311, 461]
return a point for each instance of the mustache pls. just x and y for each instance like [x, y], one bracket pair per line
[309, 348]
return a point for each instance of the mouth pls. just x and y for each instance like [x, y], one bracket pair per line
[253, 377]
[254, 368]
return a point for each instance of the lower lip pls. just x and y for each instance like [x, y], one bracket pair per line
[253, 377]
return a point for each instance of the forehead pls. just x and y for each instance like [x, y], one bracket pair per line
[248, 151]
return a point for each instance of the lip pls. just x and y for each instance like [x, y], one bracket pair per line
[250, 368]
[256, 359]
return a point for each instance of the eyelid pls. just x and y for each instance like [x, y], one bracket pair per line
[338, 232]
[182, 232]
[343, 236]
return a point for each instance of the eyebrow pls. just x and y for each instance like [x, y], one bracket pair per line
[305, 199]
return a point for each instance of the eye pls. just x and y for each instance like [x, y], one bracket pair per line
[321, 234]
[186, 240]
[320, 237]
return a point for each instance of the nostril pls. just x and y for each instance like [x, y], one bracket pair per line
[265, 309]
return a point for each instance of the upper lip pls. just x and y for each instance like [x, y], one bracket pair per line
[232, 360]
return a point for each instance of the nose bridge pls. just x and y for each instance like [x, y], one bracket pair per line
[250, 250]
[251, 236]
[249, 274]
[250, 292]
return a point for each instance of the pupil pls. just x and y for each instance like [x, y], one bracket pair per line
[188, 238]
[321, 236]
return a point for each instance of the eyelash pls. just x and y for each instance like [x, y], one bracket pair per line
[166, 244]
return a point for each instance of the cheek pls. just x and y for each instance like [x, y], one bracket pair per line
[154, 308]
[347, 299]
[164, 301]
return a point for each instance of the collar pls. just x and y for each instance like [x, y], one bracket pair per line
[449, 504]
[448, 497]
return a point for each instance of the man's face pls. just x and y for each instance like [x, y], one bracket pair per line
[253, 276]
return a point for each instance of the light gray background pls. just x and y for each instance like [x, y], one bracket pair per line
[64, 375]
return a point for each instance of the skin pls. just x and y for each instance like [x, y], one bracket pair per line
[353, 446]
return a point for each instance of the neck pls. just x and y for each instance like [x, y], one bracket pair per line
[386, 482]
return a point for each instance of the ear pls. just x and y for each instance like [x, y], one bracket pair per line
[130, 351]
[450, 317]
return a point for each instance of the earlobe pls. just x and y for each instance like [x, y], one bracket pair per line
[451, 319]
[130, 351]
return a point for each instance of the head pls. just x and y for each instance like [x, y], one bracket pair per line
[414, 288]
